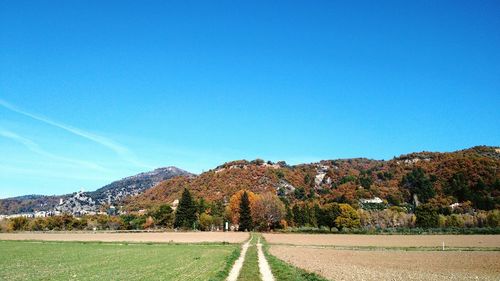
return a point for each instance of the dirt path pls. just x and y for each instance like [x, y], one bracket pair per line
[265, 270]
[235, 271]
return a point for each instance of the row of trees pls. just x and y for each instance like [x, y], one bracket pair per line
[64, 222]
[267, 211]
[426, 217]
[249, 211]
[330, 215]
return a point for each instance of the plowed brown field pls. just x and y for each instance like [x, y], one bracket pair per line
[347, 240]
[387, 261]
[378, 265]
[177, 237]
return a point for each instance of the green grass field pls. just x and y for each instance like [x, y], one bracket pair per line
[23, 260]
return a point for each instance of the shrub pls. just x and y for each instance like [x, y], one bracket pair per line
[455, 221]
[19, 223]
[5, 226]
[348, 217]
[163, 216]
[427, 216]
[206, 221]
[442, 221]
[149, 223]
[493, 218]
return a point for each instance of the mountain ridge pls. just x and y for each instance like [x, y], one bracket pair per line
[340, 180]
[90, 201]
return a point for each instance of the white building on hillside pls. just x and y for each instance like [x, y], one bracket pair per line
[375, 200]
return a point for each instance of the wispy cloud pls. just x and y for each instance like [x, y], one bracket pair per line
[119, 149]
[34, 147]
[41, 174]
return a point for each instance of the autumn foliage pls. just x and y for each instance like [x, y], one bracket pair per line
[233, 209]
[417, 189]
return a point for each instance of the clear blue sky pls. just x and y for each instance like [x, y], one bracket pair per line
[92, 91]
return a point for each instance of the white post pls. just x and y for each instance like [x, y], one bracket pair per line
[443, 245]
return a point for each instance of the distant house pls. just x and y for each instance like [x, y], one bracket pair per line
[41, 214]
[372, 204]
[375, 200]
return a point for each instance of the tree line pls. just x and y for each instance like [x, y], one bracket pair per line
[247, 211]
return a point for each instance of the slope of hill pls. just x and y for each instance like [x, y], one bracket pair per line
[467, 175]
[81, 202]
[135, 184]
[29, 203]
[344, 180]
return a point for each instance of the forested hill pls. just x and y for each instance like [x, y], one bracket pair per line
[466, 175]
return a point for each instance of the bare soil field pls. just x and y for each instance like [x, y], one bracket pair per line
[176, 237]
[347, 240]
[377, 265]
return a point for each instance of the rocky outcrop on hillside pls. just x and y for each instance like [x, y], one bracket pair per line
[134, 185]
[91, 202]
[77, 204]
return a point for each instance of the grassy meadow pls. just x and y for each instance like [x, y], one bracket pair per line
[29, 260]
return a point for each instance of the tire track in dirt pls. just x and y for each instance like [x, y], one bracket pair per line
[238, 264]
[264, 268]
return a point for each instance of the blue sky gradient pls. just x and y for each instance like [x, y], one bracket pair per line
[91, 92]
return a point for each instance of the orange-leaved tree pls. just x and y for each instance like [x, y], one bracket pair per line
[268, 212]
[233, 209]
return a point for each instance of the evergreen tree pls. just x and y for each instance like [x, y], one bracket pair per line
[427, 216]
[289, 215]
[319, 215]
[163, 216]
[310, 219]
[418, 183]
[185, 215]
[330, 213]
[299, 218]
[296, 215]
[201, 205]
[458, 186]
[299, 193]
[245, 214]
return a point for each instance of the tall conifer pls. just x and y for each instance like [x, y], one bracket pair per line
[245, 214]
[185, 215]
